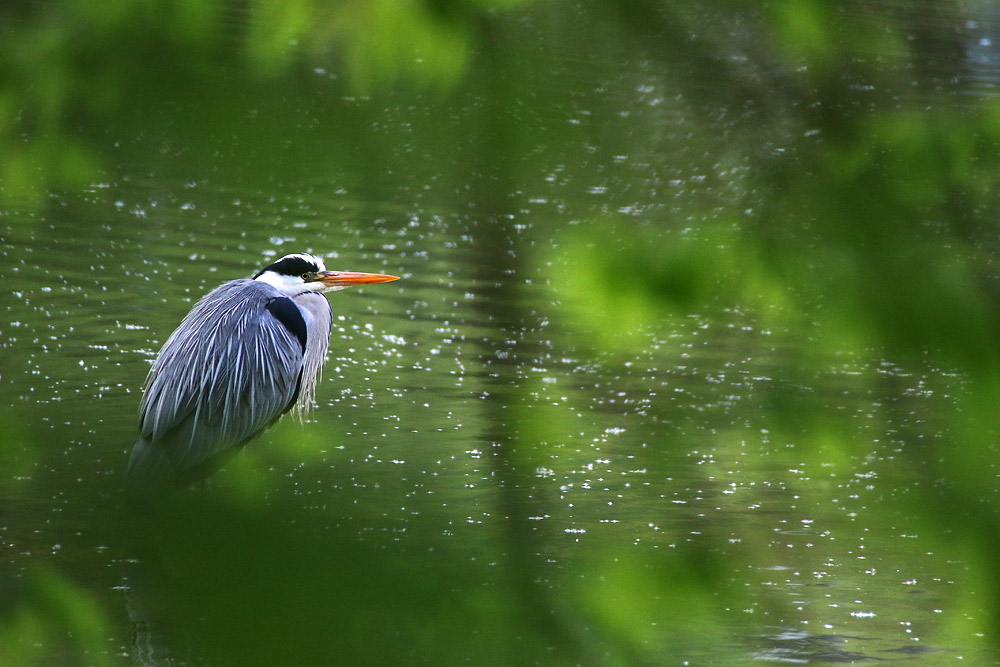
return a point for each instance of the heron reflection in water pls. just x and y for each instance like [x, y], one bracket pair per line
[248, 352]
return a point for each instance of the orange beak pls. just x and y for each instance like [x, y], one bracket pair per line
[348, 278]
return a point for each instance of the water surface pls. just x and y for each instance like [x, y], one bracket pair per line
[477, 444]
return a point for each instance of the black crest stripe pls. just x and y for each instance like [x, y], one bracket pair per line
[286, 312]
[292, 265]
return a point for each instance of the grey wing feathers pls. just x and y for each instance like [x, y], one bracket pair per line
[227, 372]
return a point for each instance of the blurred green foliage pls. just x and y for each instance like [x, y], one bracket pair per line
[867, 222]
[869, 234]
[51, 620]
[69, 65]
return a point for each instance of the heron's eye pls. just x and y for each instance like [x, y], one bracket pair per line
[305, 276]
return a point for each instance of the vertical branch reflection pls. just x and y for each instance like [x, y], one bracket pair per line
[501, 269]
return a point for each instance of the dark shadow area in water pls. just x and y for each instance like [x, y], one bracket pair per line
[213, 583]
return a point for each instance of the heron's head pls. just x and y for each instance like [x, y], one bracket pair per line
[298, 273]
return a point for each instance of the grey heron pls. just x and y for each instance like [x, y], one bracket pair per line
[248, 352]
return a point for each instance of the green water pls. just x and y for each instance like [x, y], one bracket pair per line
[512, 460]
